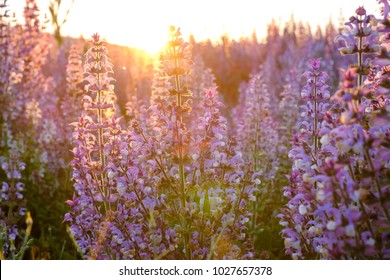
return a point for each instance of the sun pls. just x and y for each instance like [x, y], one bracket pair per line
[138, 24]
[149, 40]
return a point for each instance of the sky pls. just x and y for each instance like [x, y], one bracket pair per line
[144, 23]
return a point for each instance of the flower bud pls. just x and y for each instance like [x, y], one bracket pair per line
[360, 11]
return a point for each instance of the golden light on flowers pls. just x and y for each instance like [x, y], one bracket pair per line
[240, 149]
[143, 24]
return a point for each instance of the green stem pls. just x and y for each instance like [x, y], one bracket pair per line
[360, 203]
[179, 103]
[102, 159]
[377, 185]
[181, 165]
[360, 61]
[315, 118]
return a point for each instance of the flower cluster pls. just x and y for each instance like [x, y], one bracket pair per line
[152, 191]
[223, 191]
[257, 130]
[115, 213]
[74, 72]
[338, 193]
[199, 79]
[304, 154]
[288, 109]
[12, 200]
[359, 36]
[4, 58]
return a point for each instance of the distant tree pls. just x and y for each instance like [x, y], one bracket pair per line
[54, 8]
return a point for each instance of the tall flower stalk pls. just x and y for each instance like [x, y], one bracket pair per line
[305, 155]
[176, 61]
[97, 70]
[259, 142]
[220, 212]
[359, 38]
[366, 38]
[315, 92]
[4, 58]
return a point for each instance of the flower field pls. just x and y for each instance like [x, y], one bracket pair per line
[242, 149]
